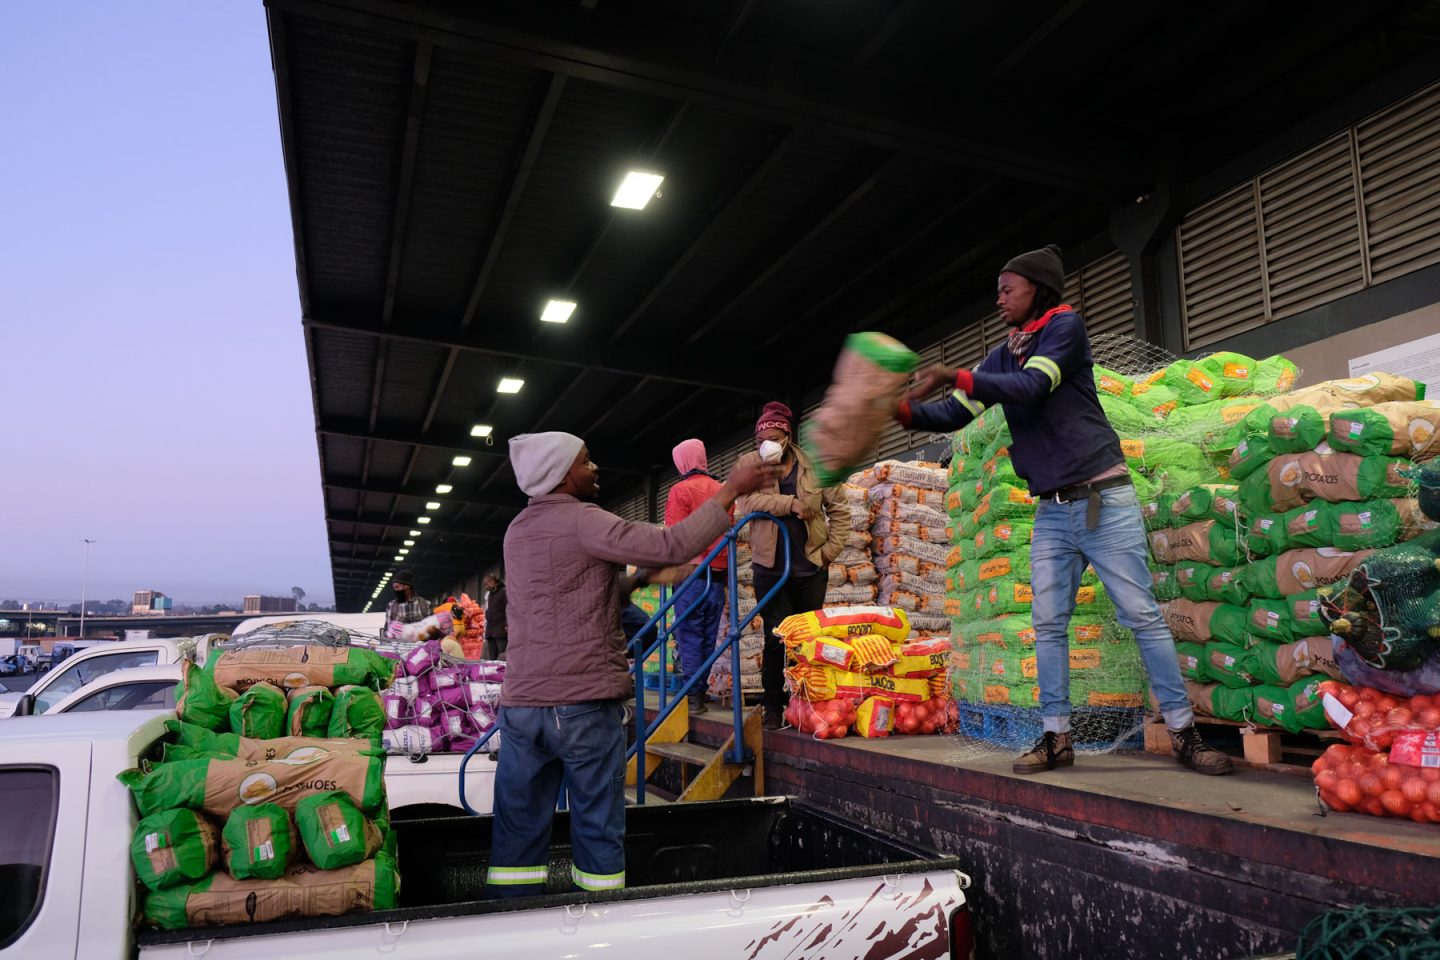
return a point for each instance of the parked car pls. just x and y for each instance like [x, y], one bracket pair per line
[89, 665]
[764, 878]
[132, 688]
[9, 666]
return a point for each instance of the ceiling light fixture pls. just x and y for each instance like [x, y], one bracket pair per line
[409, 543]
[509, 385]
[636, 190]
[422, 519]
[432, 505]
[443, 488]
[557, 311]
[460, 462]
[481, 430]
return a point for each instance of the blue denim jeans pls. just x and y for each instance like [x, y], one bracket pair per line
[583, 745]
[1118, 550]
[695, 635]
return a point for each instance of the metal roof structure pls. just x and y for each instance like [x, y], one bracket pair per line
[828, 167]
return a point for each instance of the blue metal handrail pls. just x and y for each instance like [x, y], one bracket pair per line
[730, 643]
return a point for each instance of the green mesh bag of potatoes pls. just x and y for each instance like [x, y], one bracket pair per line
[1297, 430]
[303, 891]
[308, 712]
[1192, 661]
[1230, 664]
[259, 712]
[219, 786]
[1233, 703]
[1202, 581]
[357, 712]
[200, 701]
[1398, 428]
[335, 833]
[260, 842]
[172, 847]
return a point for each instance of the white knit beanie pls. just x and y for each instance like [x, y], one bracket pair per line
[541, 460]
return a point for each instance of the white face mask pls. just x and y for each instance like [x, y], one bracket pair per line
[771, 451]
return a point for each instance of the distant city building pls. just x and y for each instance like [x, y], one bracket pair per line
[254, 603]
[150, 603]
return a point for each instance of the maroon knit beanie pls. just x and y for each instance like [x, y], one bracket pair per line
[775, 416]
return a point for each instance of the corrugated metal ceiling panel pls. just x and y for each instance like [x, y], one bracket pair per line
[474, 124]
[350, 91]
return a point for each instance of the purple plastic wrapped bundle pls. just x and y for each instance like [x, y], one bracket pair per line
[455, 722]
[487, 671]
[477, 692]
[483, 716]
[463, 744]
[413, 740]
[397, 709]
[452, 696]
[447, 677]
[407, 687]
[427, 710]
[422, 659]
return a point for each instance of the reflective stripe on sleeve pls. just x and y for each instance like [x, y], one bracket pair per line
[969, 403]
[1046, 366]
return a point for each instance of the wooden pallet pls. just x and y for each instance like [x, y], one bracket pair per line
[1265, 748]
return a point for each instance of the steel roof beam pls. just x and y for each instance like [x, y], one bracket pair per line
[452, 442]
[657, 58]
[580, 356]
[414, 492]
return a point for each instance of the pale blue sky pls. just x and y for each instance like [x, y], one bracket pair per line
[153, 382]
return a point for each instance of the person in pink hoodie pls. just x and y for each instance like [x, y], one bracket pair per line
[695, 635]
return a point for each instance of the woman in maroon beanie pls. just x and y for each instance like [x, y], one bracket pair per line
[818, 521]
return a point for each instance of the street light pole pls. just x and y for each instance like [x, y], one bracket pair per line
[84, 580]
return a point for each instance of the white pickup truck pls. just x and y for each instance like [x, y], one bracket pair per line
[761, 879]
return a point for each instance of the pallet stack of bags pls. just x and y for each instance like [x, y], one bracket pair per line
[910, 540]
[989, 596]
[752, 640]
[854, 576]
[269, 794]
[1306, 490]
[862, 669]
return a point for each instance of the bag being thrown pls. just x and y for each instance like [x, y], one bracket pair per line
[869, 380]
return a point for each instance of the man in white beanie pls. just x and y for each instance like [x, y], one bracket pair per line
[567, 675]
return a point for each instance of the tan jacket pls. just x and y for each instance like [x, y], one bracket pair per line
[826, 530]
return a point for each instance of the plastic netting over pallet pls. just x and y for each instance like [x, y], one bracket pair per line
[1179, 421]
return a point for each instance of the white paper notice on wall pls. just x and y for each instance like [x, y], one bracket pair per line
[1418, 360]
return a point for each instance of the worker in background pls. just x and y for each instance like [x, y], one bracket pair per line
[406, 607]
[818, 521]
[496, 636]
[1065, 449]
[567, 676]
[695, 635]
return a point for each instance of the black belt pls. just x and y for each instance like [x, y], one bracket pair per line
[1090, 492]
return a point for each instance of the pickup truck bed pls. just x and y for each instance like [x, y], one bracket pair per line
[732, 850]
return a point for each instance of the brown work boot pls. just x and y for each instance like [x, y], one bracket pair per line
[697, 704]
[1197, 754]
[774, 718]
[1050, 751]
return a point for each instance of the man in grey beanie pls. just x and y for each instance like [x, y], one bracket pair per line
[567, 675]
